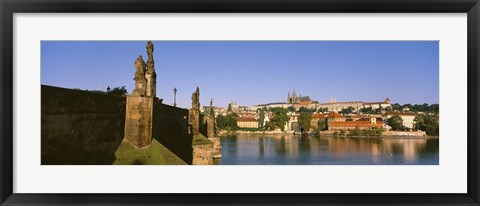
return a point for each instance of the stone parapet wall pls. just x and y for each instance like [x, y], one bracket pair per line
[171, 128]
[80, 127]
[194, 121]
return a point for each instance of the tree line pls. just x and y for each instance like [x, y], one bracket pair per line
[423, 122]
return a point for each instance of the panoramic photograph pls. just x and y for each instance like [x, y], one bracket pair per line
[240, 102]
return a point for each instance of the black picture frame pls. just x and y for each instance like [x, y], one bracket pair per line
[10, 7]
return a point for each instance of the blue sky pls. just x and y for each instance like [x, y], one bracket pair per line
[254, 72]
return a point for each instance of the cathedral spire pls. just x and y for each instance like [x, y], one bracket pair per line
[294, 97]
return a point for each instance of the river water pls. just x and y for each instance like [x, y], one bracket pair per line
[296, 150]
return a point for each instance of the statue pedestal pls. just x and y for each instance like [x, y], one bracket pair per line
[138, 120]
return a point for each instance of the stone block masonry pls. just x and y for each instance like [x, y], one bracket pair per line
[139, 120]
[203, 154]
[80, 127]
[405, 133]
[171, 128]
[194, 121]
[207, 126]
[86, 128]
[217, 147]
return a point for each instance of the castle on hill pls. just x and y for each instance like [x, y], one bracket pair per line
[297, 101]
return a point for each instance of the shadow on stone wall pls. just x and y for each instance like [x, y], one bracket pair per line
[171, 128]
[80, 127]
[203, 126]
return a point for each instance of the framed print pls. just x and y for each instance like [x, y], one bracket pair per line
[239, 102]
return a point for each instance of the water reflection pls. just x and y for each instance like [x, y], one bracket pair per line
[296, 150]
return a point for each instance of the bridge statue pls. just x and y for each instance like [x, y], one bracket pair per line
[150, 74]
[139, 77]
[196, 100]
[194, 113]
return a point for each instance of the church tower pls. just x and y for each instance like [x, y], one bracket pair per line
[387, 100]
[288, 99]
[294, 97]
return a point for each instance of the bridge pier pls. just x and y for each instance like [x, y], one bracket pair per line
[139, 120]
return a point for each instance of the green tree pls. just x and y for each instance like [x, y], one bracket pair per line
[427, 123]
[388, 109]
[322, 124]
[231, 121]
[304, 109]
[279, 118]
[434, 108]
[355, 132]
[228, 122]
[221, 121]
[119, 91]
[396, 107]
[291, 109]
[409, 106]
[323, 109]
[396, 122]
[367, 110]
[261, 117]
[347, 110]
[304, 120]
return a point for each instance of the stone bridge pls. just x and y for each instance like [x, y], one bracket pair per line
[85, 127]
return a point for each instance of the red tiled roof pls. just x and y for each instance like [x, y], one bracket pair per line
[375, 103]
[246, 119]
[351, 102]
[304, 102]
[334, 115]
[355, 124]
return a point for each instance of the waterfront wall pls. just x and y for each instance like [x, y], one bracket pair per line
[225, 132]
[385, 133]
[327, 132]
[80, 127]
[217, 147]
[405, 133]
[203, 154]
